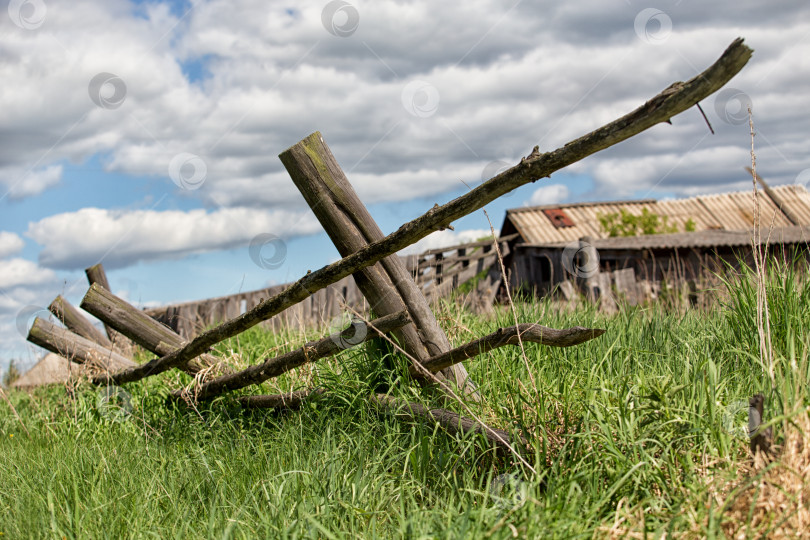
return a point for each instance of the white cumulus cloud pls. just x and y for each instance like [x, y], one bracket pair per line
[20, 183]
[19, 272]
[10, 244]
[553, 194]
[445, 238]
[120, 238]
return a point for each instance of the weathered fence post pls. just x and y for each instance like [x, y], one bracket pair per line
[388, 285]
[65, 343]
[139, 327]
[76, 322]
[588, 265]
[96, 274]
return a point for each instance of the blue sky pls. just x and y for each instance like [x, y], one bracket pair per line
[115, 105]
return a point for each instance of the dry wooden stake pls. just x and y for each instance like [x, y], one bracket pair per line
[65, 343]
[76, 322]
[142, 329]
[534, 333]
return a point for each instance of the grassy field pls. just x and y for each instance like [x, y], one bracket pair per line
[641, 431]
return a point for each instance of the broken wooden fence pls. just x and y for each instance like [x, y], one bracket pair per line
[437, 272]
[385, 281]
[440, 271]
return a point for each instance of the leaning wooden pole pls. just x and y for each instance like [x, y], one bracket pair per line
[273, 367]
[528, 332]
[777, 200]
[76, 322]
[96, 274]
[675, 99]
[142, 329]
[74, 347]
[313, 351]
[388, 286]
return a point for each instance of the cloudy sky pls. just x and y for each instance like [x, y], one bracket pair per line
[145, 135]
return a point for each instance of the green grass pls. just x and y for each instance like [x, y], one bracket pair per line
[634, 421]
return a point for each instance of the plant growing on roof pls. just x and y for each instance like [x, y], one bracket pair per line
[625, 223]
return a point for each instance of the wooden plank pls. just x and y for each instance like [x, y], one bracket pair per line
[470, 270]
[442, 290]
[96, 274]
[468, 245]
[74, 347]
[76, 322]
[187, 319]
[463, 260]
[568, 290]
[138, 326]
[604, 293]
[625, 281]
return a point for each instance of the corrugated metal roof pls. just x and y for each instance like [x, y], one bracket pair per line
[782, 235]
[718, 212]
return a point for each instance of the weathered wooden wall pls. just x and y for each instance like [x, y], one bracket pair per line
[191, 318]
[637, 276]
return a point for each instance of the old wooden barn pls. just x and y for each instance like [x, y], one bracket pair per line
[564, 246]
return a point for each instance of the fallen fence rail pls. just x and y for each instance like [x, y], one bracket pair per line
[357, 333]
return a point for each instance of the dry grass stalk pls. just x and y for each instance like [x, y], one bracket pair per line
[763, 316]
[773, 501]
